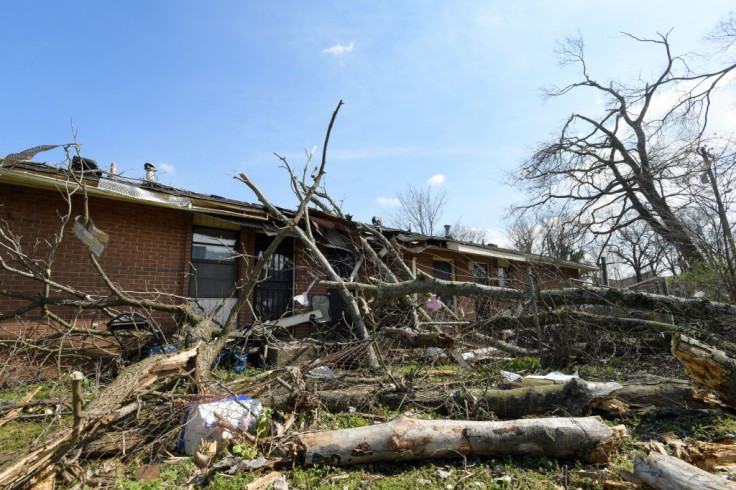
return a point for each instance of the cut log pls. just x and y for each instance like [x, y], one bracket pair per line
[661, 392]
[415, 339]
[707, 366]
[669, 473]
[576, 398]
[407, 439]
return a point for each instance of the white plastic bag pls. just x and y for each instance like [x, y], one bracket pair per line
[242, 413]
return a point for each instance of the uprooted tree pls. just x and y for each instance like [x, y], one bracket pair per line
[388, 322]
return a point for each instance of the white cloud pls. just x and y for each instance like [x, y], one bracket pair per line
[499, 238]
[167, 168]
[388, 201]
[338, 49]
[436, 179]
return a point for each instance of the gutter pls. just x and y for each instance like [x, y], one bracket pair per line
[121, 191]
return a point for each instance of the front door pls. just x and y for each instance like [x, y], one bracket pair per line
[272, 297]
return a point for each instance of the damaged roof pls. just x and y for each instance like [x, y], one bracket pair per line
[114, 186]
[417, 243]
[329, 228]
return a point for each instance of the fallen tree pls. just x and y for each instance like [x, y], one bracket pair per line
[575, 398]
[707, 366]
[416, 339]
[669, 473]
[424, 283]
[407, 439]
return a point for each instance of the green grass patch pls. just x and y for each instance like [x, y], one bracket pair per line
[18, 436]
[695, 424]
[330, 421]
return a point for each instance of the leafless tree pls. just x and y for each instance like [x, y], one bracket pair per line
[466, 233]
[555, 236]
[639, 249]
[627, 163]
[420, 209]
[522, 234]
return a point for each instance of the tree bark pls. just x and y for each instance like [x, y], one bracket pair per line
[623, 324]
[669, 473]
[414, 339]
[407, 439]
[693, 308]
[660, 392]
[707, 366]
[575, 398]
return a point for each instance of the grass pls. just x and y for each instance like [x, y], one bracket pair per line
[472, 473]
[17, 436]
[534, 473]
[685, 424]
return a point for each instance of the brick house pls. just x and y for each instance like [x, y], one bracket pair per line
[167, 243]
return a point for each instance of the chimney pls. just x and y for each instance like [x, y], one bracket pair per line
[447, 231]
[150, 172]
[113, 168]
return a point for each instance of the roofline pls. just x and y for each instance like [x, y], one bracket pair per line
[540, 259]
[517, 256]
[60, 181]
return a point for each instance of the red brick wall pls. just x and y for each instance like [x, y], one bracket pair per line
[148, 250]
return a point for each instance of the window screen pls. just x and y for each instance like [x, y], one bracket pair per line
[214, 265]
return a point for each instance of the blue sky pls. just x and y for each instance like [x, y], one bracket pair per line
[205, 90]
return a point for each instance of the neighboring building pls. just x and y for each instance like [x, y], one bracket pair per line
[169, 244]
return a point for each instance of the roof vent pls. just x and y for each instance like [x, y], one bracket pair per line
[150, 172]
[447, 231]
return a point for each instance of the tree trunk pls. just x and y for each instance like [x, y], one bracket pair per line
[407, 439]
[575, 398]
[424, 283]
[707, 366]
[669, 473]
[660, 392]
[414, 339]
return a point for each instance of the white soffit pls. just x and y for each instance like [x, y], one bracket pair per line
[485, 252]
[142, 194]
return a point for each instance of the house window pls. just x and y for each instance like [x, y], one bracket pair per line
[214, 266]
[481, 275]
[504, 274]
[442, 269]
